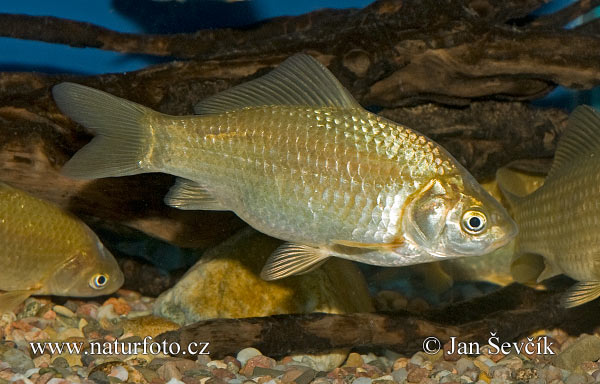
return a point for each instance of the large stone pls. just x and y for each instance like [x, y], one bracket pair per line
[585, 348]
[225, 283]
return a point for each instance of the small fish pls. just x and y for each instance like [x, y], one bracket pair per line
[558, 222]
[296, 157]
[45, 251]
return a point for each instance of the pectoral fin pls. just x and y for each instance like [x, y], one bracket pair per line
[434, 277]
[356, 244]
[293, 259]
[581, 293]
[187, 194]
[9, 300]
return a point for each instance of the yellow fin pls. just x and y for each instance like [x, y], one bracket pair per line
[581, 139]
[434, 276]
[187, 194]
[299, 80]
[527, 268]
[548, 272]
[356, 244]
[9, 300]
[581, 293]
[121, 135]
[293, 259]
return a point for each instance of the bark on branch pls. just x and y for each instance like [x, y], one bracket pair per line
[511, 313]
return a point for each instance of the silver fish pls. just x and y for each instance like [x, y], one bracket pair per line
[295, 156]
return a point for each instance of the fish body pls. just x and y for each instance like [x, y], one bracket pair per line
[296, 157]
[45, 251]
[558, 222]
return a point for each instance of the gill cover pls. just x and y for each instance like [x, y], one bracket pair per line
[427, 215]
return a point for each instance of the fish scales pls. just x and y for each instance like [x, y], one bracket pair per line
[46, 251]
[296, 157]
[561, 221]
[246, 155]
[29, 226]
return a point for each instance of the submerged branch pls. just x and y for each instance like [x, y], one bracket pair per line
[402, 332]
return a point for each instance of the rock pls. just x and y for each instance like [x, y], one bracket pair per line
[63, 311]
[576, 378]
[511, 361]
[550, 373]
[18, 360]
[500, 372]
[362, 380]
[324, 361]
[168, 371]
[148, 326]
[246, 354]
[484, 364]
[257, 361]
[354, 360]
[225, 283]
[417, 374]
[586, 348]
[463, 364]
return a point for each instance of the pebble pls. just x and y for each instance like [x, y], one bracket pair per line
[18, 360]
[354, 360]
[500, 372]
[585, 348]
[400, 375]
[464, 364]
[417, 374]
[362, 380]
[576, 378]
[246, 354]
[254, 362]
[63, 311]
[484, 364]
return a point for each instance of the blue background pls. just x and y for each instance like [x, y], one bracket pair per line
[151, 16]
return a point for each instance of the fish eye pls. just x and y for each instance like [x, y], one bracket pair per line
[98, 281]
[474, 222]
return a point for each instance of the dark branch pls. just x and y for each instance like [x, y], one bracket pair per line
[511, 312]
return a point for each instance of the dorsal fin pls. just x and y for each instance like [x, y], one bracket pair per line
[299, 80]
[582, 138]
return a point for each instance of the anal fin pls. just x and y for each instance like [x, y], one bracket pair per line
[581, 293]
[293, 259]
[11, 299]
[187, 194]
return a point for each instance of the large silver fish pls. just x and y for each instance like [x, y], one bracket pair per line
[558, 222]
[296, 157]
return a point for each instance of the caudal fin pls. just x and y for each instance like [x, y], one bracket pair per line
[121, 139]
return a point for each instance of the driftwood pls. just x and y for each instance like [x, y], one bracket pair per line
[511, 313]
[460, 71]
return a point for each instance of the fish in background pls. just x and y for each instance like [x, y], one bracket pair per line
[296, 157]
[559, 222]
[46, 251]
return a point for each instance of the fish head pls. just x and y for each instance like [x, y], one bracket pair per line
[91, 271]
[456, 217]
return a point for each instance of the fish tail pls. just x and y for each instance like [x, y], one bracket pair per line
[121, 137]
